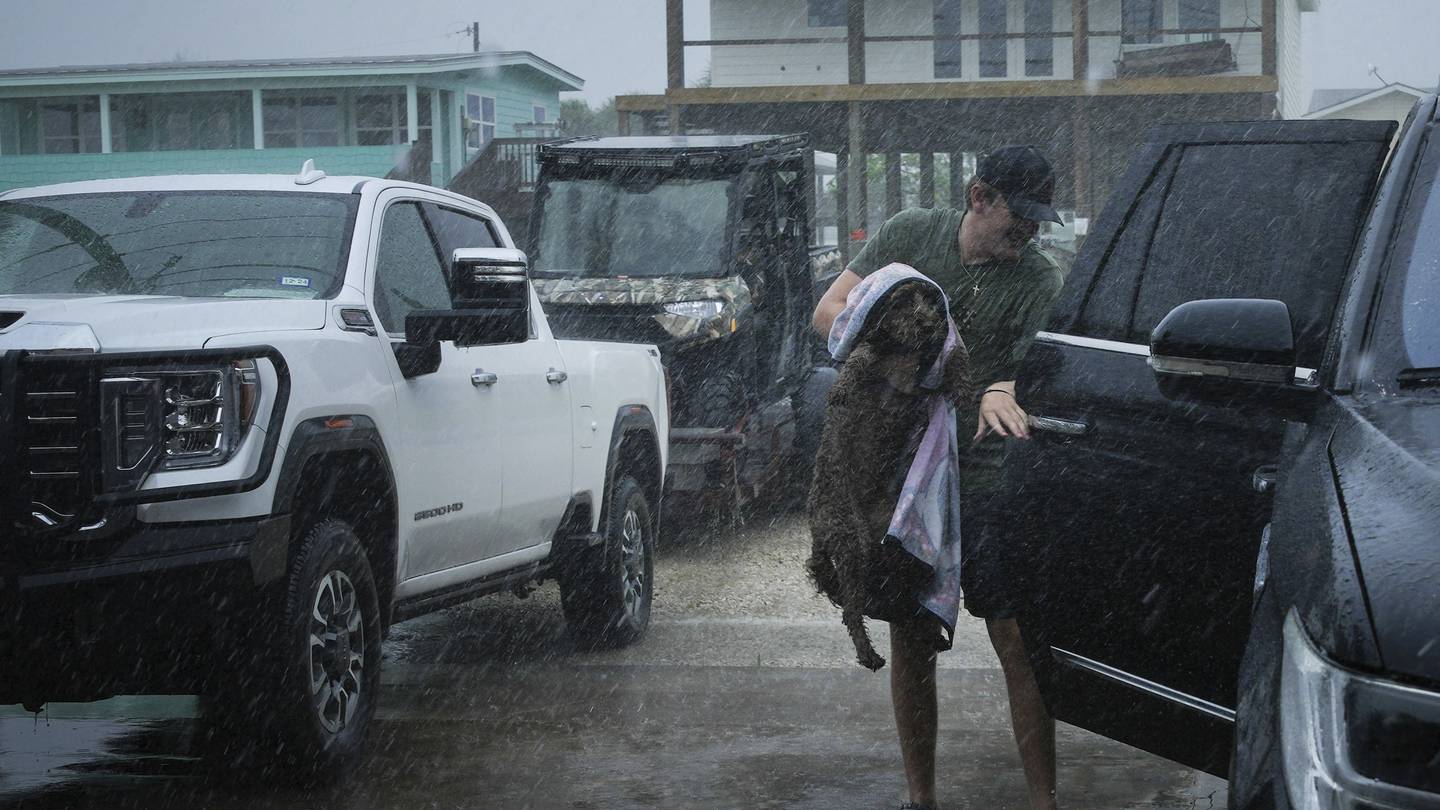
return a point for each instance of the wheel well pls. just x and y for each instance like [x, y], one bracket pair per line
[353, 486]
[639, 455]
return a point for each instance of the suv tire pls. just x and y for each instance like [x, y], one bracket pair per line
[608, 589]
[323, 684]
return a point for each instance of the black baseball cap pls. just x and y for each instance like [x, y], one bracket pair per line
[1024, 177]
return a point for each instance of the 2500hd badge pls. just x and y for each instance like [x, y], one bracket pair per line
[426, 514]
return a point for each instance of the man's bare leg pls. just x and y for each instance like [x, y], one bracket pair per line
[1034, 728]
[912, 691]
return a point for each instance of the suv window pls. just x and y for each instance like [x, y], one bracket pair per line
[1421, 297]
[408, 272]
[1187, 239]
[456, 229]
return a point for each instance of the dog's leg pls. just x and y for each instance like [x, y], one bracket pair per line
[864, 650]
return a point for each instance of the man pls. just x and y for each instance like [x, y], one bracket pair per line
[1001, 287]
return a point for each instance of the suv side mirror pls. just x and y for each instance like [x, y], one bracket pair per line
[1237, 339]
[490, 295]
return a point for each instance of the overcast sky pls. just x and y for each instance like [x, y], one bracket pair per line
[617, 46]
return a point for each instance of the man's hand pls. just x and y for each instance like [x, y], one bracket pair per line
[1000, 413]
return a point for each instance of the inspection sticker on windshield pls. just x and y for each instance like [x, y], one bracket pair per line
[294, 281]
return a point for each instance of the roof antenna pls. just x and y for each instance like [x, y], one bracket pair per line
[308, 173]
[1375, 71]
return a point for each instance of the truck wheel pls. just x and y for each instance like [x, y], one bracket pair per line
[325, 681]
[608, 589]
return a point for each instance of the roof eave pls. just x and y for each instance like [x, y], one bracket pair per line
[565, 79]
[1366, 97]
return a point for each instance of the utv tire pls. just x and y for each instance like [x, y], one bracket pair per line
[607, 590]
[316, 696]
[718, 401]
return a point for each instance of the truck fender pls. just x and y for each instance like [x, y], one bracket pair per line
[631, 420]
[328, 434]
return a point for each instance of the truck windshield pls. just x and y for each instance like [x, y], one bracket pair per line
[602, 229]
[192, 244]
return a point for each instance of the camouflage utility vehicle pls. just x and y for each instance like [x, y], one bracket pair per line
[699, 245]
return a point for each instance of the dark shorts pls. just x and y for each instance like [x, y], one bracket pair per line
[994, 571]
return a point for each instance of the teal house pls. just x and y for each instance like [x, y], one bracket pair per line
[424, 117]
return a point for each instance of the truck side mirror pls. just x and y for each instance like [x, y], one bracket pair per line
[490, 300]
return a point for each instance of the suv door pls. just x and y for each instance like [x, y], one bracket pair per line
[532, 408]
[445, 458]
[1143, 515]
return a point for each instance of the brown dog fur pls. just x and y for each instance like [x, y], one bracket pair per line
[874, 411]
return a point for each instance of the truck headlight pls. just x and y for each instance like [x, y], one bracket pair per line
[1349, 737]
[699, 310]
[205, 413]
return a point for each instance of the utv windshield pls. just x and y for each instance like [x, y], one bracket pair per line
[603, 229]
[184, 243]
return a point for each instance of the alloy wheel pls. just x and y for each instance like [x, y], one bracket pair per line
[336, 651]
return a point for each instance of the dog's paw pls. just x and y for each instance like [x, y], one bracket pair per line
[871, 661]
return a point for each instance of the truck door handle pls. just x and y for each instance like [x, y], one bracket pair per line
[1064, 427]
[480, 378]
[556, 377]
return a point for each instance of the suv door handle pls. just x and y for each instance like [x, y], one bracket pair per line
[1064, 427]
[480, 378]
[1263, 480]
[556, 377]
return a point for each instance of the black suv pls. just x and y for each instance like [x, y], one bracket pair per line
[1233, 494]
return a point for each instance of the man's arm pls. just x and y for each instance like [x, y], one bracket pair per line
[833, 302]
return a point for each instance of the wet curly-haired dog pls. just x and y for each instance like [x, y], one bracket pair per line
[875, 411]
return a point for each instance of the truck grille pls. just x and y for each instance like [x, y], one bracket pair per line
[52, 411]
[53, 439]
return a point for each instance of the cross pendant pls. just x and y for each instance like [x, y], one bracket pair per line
[975, 290]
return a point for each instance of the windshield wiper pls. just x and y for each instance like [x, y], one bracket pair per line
[1419, 377]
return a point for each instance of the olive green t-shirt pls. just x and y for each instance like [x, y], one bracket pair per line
[997, 306]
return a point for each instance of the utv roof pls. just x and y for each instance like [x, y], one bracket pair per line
[673, 142]
[672, 151]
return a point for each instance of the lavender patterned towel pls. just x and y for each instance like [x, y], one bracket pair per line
[927, 515]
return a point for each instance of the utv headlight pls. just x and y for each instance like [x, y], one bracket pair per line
[1352, 740]
[699, 310]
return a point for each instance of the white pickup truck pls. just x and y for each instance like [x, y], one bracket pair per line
[247, 422]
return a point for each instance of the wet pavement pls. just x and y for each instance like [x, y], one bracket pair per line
[744, 695]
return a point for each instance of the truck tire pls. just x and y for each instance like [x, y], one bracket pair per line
[608, 589]
[320, 692]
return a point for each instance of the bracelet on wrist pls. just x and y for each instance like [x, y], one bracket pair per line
[996, 391]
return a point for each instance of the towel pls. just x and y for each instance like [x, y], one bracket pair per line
[926, 521]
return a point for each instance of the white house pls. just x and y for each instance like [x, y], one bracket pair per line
[1082, 79]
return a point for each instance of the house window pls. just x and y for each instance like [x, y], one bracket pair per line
[301, 120]
[479, 120]
[1199, 14]
[1140, 19]
[380, 118]
[69, 125]
[1039, 52]
[993, 52]
[538, 114]
[947, 52]
[826, 13]
[151, 123]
